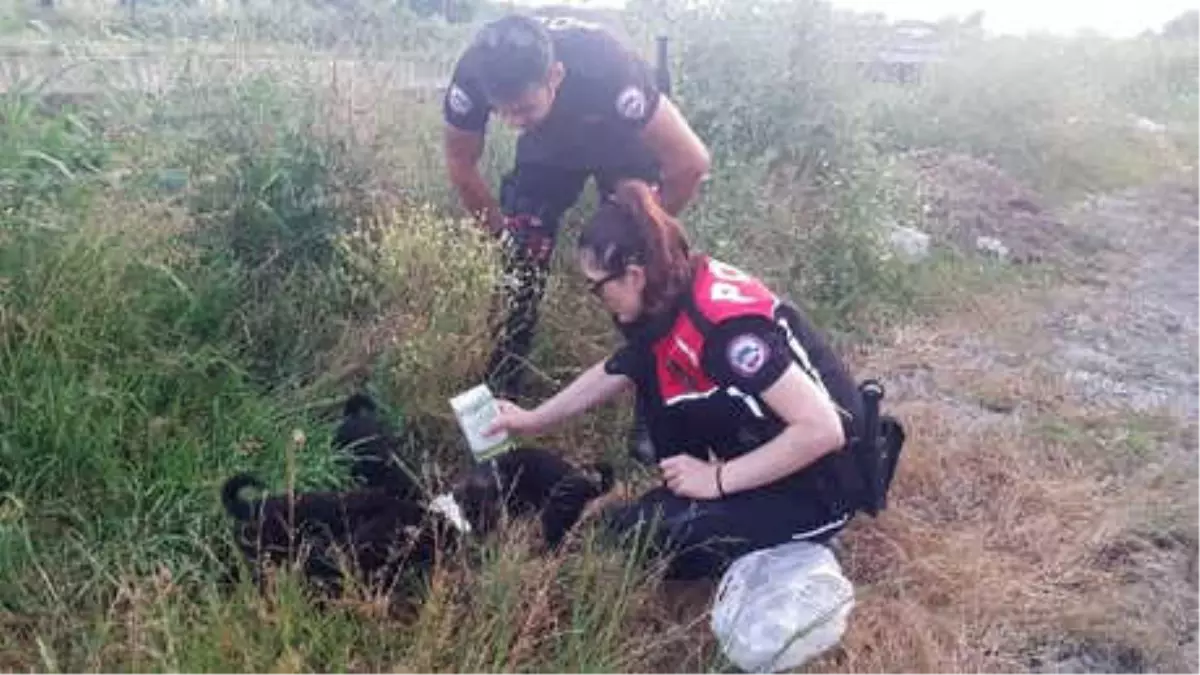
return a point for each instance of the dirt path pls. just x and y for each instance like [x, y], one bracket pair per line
[1045, 514]
[1122, 331]
[1129, 337]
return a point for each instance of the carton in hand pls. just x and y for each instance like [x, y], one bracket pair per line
[476, 409]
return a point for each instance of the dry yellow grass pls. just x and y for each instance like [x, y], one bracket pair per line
[1003, 539]
[1029, 527]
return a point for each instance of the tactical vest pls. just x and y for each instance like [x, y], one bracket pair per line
[687, 411]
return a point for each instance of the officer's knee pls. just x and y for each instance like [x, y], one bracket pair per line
[658, 519]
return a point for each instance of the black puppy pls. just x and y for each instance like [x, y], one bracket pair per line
[373, 449]
[384, 527]
[525, 480]
[530, 479]
[382, 535]
[376, 532]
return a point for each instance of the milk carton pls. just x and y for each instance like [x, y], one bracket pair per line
[475, 410]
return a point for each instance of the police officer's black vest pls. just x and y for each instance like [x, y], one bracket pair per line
[687, 411]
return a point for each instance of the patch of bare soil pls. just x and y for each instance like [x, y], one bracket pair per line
[1045, 515]
[963, 198]
[1127, 335]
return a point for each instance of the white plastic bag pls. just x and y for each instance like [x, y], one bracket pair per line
[778, 608]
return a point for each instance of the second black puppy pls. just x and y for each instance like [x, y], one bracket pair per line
[373, 447]
[526, 480]
[379, 533]
[530, 479]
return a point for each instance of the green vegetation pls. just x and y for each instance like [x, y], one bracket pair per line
[1061, 115]
[191, 278]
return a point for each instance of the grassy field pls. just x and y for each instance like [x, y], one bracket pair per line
[200, 257]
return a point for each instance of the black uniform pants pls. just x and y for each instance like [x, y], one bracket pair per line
[533, 199]
[700, 539]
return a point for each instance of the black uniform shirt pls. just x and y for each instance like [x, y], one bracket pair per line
[607, 96]
[716, 404]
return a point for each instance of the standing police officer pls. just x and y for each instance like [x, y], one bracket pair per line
[586, 106]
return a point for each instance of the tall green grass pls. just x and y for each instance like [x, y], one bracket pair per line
[1061, 115]
[132, 388]
[363, 26]
[798, 192]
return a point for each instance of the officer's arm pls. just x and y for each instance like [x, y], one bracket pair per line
[595, 386]
[681, 154]
[813, 431]
[753, 355]
[463, 150]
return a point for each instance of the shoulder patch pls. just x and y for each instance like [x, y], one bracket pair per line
[747, 353]
[631, 103]
[459, 101]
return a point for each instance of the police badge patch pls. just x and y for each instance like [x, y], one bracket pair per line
[631, 103]
[460, 103]
[746, 354]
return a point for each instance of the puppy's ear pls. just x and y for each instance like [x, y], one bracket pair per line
[479, 498]
[359, 403]
[231, 497]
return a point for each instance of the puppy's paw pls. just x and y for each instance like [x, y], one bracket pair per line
[619, 494]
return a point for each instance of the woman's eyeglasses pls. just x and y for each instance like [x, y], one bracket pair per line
[597, 286]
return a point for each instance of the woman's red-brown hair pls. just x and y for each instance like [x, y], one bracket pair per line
[632, 228]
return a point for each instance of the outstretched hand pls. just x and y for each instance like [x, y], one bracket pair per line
[511, 418]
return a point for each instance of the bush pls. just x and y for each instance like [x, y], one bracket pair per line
[1059, 115]
[44, 158]
[270, 194]
[797, 194]
[434, 279]
[356, 26]
[115, 420]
